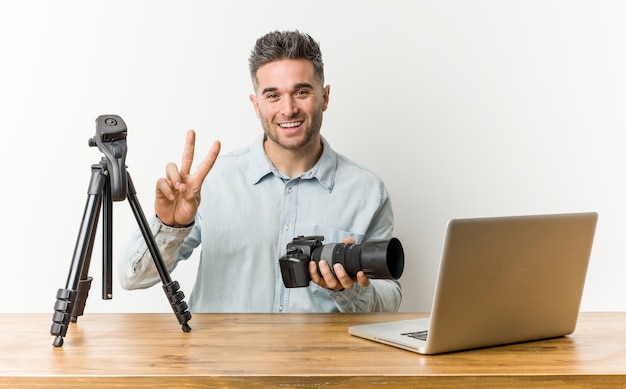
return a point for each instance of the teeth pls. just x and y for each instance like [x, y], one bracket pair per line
[290, 125]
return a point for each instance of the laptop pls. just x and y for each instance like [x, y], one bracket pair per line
[502, 280]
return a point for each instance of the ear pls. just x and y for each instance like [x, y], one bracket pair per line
[255, 105]
[326, 97]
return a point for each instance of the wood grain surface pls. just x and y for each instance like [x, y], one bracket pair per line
[290, 350]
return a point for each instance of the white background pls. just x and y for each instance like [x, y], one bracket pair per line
[464, 108]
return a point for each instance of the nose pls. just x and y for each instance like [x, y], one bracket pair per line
[289, 106]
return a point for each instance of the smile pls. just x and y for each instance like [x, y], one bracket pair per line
[290, 124]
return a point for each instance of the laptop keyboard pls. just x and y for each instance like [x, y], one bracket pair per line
[421, 335]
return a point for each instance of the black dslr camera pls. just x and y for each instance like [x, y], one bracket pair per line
[383, 259]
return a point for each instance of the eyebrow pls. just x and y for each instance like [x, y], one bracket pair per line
[303, 85]
[296, 86]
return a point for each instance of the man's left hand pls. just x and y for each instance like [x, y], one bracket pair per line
[340, 280]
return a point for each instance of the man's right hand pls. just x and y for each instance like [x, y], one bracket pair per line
[178, 194]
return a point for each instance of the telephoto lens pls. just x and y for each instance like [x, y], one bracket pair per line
[382, 259]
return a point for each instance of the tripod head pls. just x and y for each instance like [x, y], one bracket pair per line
[110, 139]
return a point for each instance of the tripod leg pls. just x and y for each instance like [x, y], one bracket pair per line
[171, 288]
[107, 242]
[68, 305]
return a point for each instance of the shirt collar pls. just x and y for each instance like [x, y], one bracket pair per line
[324, 170]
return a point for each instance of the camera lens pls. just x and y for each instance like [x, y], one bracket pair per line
[382, 259]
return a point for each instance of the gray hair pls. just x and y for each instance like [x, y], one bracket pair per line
[285, 45]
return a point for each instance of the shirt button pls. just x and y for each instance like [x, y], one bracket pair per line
[289, 190]
[280, 308]
[286, 227]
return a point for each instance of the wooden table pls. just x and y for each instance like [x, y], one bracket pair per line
[290, 350]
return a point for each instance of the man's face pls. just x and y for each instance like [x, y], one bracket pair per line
[289, 101]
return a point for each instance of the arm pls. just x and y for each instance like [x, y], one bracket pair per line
[137, 270]
[176, 202]
[378, 296]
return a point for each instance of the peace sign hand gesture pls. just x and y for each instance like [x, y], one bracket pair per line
[177, 195]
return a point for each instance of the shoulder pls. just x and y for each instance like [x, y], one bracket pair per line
[247, 163]
[228, 165]
[355, 178]
[234, 157]
[346, 166]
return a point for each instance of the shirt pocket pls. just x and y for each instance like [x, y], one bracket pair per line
[333, 235]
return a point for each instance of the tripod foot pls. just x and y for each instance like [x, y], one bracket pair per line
[62, 315]
[58, 341]
[175, 298]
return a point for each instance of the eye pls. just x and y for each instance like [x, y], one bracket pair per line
[302, 92]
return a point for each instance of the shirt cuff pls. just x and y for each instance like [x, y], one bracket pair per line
[162, 226]
[346, 297]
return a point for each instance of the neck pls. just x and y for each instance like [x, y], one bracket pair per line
[294, 162]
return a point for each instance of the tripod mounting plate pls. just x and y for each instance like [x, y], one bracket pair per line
[110, 139]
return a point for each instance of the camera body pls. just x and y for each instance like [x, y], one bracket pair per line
[294, 265]
[383, 259]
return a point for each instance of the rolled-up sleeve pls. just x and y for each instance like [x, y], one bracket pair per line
[137, 270]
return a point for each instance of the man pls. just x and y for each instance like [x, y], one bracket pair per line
[256, 200]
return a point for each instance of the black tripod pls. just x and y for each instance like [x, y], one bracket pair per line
[109, 182]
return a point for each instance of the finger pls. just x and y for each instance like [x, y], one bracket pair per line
[190, 145]
[208, 161]
[164, 190]
[172, 175]
[343, 277]
[349, 240]
[362, 278]
[329, 277]
[315, 276]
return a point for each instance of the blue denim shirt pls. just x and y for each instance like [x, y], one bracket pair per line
[248, 214]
